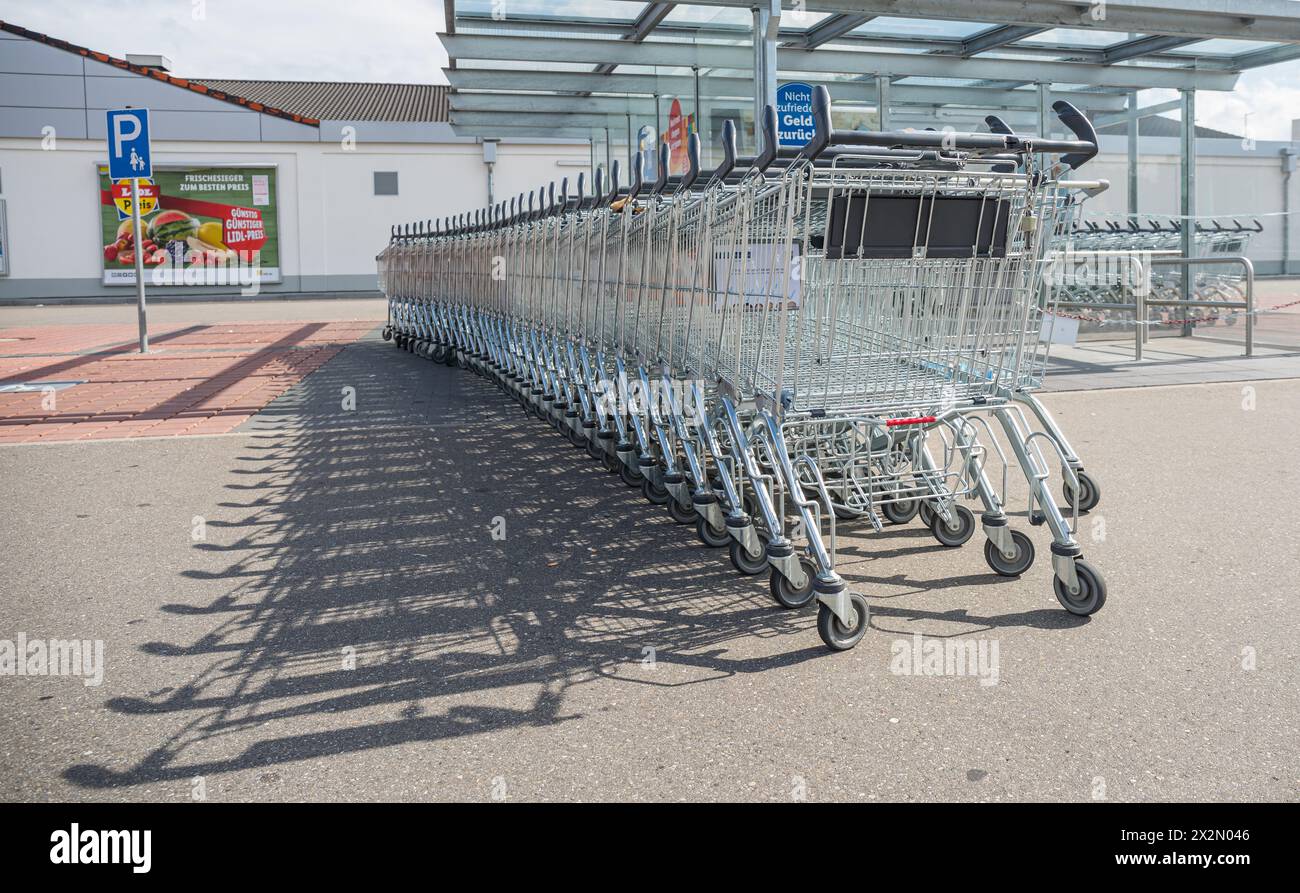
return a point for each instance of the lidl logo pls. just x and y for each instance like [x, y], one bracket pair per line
[121, 192]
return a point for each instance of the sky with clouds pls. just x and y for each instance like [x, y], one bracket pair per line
[396, 41]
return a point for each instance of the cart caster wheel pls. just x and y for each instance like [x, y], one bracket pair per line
[786, 595]
[655, 493]
[1090, 495]
[387, 334]
[743, 562]
[900, 512]
[594, 451]
[926, 513]
[1016, 565]
[835, 634]
[1092, 591]
[612, 464]
[949, 536]
[576, 438]
[681, 515]
[439, 354]
[713, 537]
[632, 478]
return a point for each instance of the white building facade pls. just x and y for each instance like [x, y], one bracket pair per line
[340, 184]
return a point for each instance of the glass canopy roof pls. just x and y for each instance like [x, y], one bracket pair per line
[580, 67]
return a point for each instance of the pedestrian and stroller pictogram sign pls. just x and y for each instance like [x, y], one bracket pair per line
[128, 144]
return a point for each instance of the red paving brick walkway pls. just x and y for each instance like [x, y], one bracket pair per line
[197, 379]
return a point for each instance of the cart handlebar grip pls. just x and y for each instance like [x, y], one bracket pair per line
[997, 125]
[613, 181]
[637, 181]
[728, 151]
[825, 135]
[1074, 152]
[771, 142]
[662, 179]
[597, 186]
[763, 160]
[1082, 128]
[693, 160]
[823, 130]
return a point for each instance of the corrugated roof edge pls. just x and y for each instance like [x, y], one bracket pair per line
[346, 100]
[154, 73]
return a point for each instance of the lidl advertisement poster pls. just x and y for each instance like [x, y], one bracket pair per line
[200, 226]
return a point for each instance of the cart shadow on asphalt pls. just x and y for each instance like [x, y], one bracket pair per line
[365, 581]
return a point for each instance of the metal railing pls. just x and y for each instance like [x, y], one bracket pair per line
[1142, 302]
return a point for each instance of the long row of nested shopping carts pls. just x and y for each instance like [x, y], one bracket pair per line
[846, 333]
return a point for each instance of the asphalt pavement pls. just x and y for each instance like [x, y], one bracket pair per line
[392, 585]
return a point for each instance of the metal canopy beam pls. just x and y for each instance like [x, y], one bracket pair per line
[996, 37]
[831, 28]
[932, 98]
[514, 91]
[1105, 120]
[791, 37]
[1269, 56]
[540, 103]
[1142, 46]
[494, 47]
[546, 124]
[1267, 20]
[591, 82]
[767, 24]
[647, 21]
[536, 121]
[493, 131]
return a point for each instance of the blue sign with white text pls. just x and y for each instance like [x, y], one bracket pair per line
[794, 117]
[128, 144]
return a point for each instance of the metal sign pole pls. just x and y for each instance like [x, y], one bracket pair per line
[139, 265]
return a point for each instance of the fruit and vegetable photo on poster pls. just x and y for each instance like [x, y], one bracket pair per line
[199, 226]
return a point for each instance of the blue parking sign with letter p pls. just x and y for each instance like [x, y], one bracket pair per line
[128, 144]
